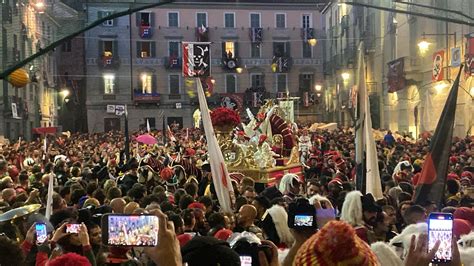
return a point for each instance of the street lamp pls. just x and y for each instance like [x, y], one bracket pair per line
[423, 46]
[312, 41]
[39, 6]
[318, 87]
[345, 76]
[65, 93]
[239, 70]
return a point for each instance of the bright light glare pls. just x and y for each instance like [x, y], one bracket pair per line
[345, 76]
[440, 86]
[65, 93]
[423, 46]
[318, 87]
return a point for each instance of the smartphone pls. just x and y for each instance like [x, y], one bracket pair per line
[440, 227]
[130, 230]
[301, 215]
[304, 220]
[245, 261]
[73, 228]
[41, 233]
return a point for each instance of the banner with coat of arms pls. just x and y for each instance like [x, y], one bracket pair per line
[438, 64]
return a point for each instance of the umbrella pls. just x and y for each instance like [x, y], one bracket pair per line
[19, 212]
[146, 139]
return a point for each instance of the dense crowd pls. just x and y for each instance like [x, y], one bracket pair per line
[92, 177]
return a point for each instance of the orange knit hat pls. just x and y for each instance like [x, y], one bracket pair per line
[335, 244]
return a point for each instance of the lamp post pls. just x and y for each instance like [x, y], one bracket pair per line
[423, 45]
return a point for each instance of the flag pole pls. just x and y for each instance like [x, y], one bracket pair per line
[127, 137]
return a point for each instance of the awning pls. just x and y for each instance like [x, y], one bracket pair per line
[45, 130]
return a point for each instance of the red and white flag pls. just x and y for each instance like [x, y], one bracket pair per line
[220, 175]
[170, 133]
[438, 65]
[196, 59]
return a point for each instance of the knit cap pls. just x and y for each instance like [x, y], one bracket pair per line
[335, 244]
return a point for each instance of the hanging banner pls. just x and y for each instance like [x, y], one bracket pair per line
[15, 111]
[288, 108]
[396, 75]
[469, 55]
[196, 59]
[234, 101]
[455, 57]
[438, 64]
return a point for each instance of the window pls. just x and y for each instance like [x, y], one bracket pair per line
[146, 82]
[107, 23]
[173, 19]
[109, 83]
[231, 83]
[145, 18]
[173, 48]
[281, 82]
[255, 20]
[280, 49]
[145, 49]
[255, 50]
[201, 19]
[151, 122]
[280, 21]
[108, 48]
[307, 50]
[229, 20]
[174, 84]
[229, 49]
[306, 23]
[66, 47]
[306, 82]
[257, 80]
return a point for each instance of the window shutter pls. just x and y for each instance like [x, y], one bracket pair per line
[288, 49]
[101, 48]
[152, 19]
[139, 49]
[154, 83]
[236, 49]
[115, 48]
[138, 17]
[224, 54]
[153, 49]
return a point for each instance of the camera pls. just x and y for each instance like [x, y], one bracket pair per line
[301, 214]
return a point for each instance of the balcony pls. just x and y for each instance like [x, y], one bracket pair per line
[146, 32]
[230, 63]
[172, 62]
[281, 64]
[140, 97]
[108, 62]
[202, 34]
[349, 55]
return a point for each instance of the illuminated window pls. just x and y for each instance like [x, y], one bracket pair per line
[145, 49]
[108, 48]
[230, 49]
[146, 81]
[109, 83]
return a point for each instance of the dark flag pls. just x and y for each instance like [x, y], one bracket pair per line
[435, 168]
[196, 59]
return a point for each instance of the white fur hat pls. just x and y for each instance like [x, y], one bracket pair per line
[352, 208]
[385, 254]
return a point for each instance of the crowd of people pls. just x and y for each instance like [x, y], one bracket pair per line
[172, 179]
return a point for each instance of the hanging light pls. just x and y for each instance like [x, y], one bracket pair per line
[423, 46]
[312, 41]
[40, 6]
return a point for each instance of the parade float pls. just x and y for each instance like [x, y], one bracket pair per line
[265, 150]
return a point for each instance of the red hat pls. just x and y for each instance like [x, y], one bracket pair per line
[467, 174]
[336, 181]
[338, 160]
[453, 176]
[13, 171]
[166, 173]
[240, 133]
[190, 152]
[223, 234]
[184, 239]
[461, 227]
[453, 159]
[262, 138]
[464, 213]
[197, 205]
[70, 259]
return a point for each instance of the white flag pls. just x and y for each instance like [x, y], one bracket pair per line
[365, 142]
[220, 175]
[148, 126]
[49, 198]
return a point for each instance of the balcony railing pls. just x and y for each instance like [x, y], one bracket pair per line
[202, 34]
[230, 63]
[146, 32]
[172, 62]
[108, 62]
[140, 97]
[281, 64]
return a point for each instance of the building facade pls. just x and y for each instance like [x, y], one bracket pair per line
[259, 50]
[409, 100]
[27, 27]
